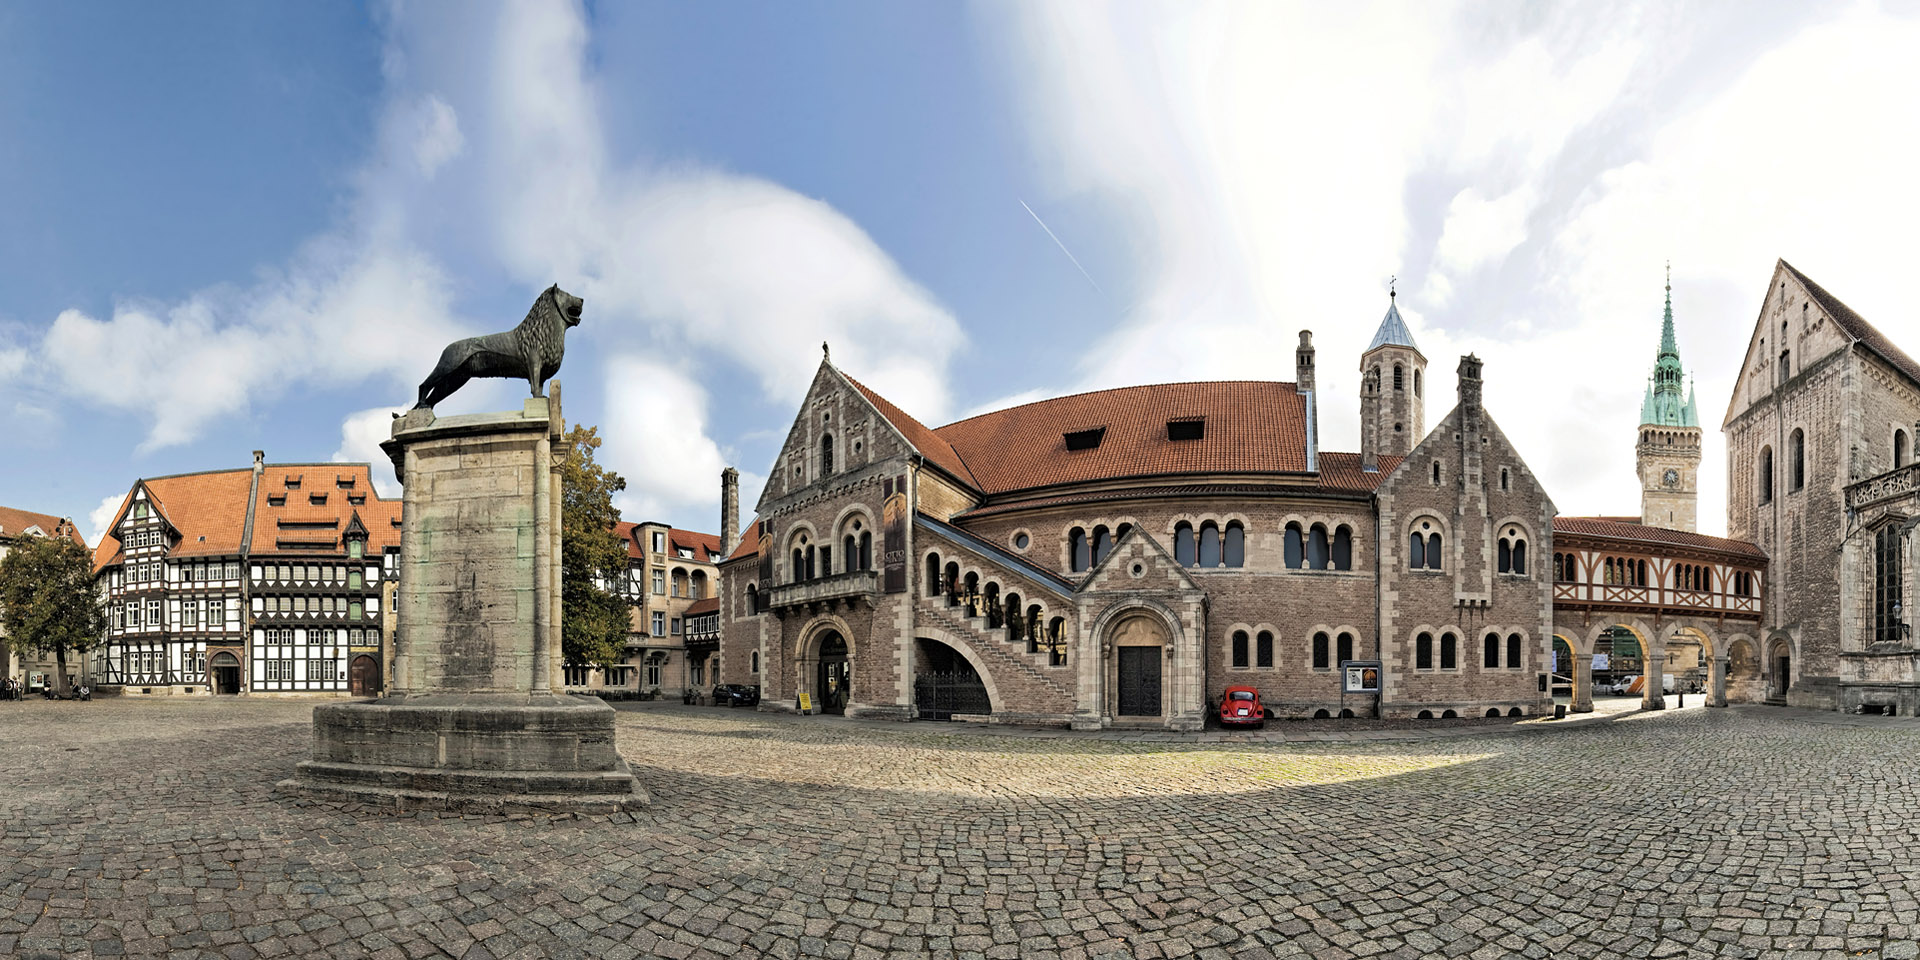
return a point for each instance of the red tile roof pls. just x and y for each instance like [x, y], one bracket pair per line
[749, 541]
[1614, 529]
[269, 530]
[1341, 471]
[1856, 326]
[209, 510]
[929, 443]
[1250, 427]
[14, 522]
[708, 605]
[701, 543]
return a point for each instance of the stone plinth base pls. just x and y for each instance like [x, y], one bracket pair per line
[469, 752]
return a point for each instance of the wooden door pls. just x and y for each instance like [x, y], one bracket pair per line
[363, 676]
[1139, 681]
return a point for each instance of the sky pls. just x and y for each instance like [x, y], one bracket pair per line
[236, 226]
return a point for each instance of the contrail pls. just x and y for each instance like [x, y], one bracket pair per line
[1062, 246]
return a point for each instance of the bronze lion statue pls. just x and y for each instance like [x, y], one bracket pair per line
[531, 350]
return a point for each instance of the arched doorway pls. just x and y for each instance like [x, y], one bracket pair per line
[1565, 676]
[947, 685]
[363, 676]
[833, 681]
[226, 673]
[1137, 671]
[1780, 660]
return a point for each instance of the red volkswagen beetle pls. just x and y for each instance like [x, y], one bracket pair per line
[1240, 707]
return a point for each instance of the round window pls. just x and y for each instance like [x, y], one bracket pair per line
[1139, 570]
[1020, 541]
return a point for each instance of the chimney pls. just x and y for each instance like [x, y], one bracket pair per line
[259, 462]
[1470, 383]
[729, 511]
[1303, 363]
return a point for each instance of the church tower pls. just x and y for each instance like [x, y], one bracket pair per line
[1393, 405]
[1669, 449]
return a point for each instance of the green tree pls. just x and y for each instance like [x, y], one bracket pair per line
[594, 620]
[47, 602]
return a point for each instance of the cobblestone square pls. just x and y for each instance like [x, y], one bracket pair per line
[151, 829]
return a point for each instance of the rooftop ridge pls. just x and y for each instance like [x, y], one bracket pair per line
[1088, 393]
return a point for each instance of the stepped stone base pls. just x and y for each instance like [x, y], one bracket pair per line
[469, 752]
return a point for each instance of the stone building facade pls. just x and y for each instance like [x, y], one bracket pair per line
[1820, 432]
[253, 581]
[1119, 558]
[669, 572]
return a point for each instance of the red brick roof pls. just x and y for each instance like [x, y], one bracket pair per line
[1614, 529]
[14, 522]
[708, 605]
[209, 510]
[749, 541]
[1856, 326]
[1250, 427]
[700, 543]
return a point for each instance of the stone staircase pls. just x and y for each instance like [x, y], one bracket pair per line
[992, 644]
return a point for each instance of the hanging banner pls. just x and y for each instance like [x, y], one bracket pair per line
[893, 544]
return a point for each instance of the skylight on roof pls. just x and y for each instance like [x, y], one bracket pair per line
[1187, 428]
[1085, 439]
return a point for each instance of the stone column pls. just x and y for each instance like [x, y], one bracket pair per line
[1653, 697]
[1582, 673]
[1717, 693]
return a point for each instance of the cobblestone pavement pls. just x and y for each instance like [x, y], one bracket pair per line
[150, 829]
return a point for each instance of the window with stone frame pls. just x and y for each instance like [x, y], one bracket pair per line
[1513, 651]
[1423, 652]
[1321, 651]
[1240, 660]
[1449, 652]
[1343, 648]
[1263, 650]
[1490, 652]
[1797, 460]
[1887, 585]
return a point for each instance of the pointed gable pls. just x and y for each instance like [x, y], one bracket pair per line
[1159, 570]
[916, 434]
[1809, 342]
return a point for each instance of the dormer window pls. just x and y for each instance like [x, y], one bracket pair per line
[317, 499]
[293, 483]
[1190, 428]
[276, 499]
[1085, 439]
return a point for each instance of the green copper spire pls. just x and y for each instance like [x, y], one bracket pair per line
[1668, 403]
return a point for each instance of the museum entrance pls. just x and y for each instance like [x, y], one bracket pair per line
[834, 681]
[226, 673]
[1139, 681]
[363, 676]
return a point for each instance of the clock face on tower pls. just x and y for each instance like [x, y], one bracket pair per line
[1672, 477]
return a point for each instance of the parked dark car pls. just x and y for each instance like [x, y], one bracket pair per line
[1240, 707]
[736, 695]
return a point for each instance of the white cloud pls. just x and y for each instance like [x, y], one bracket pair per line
[360, 437]
[100, 517]
[435, 134]
[1479, 231]
[656, 432]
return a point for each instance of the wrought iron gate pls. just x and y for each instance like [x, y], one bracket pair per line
[941, 695]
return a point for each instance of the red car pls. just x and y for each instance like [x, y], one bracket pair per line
[1240, 706]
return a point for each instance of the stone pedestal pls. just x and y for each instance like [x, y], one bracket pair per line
[476, 716]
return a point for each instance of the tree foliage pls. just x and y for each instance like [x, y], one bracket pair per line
[594, 620]
[47, 601]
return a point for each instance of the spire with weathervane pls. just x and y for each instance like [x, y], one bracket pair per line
[1669, 447]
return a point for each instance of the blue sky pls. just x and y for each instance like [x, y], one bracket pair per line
[240, 226]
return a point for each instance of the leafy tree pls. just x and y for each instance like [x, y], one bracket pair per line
[47, 602]
[593, 627]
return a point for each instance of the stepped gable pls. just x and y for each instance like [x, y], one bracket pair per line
[13, 522]
[1857, 326]
[1621, 529]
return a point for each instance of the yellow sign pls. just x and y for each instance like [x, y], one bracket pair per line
[806, 703]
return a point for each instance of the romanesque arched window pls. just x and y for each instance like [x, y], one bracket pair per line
[1317, 548]
[1296, 547]
[1343, 649]
[1209, 544]
[1766, 474]
[933, 575]
[1102, 544]
[1234, 545]
[1057, 641]
[1263, 649]
[1797, 459]
[1343, 547]
[1513, 651]
[1433, 551]
[866, 549]
[753, 599]
[1240, 649]
[1183, 545]
[826, 454]
[1520, 556]
[1490, 652]
[1417, 552]
[1015, 618]
[1321, 643]
[991, 602]
[1449, 651]
[1399, 377]
[1423, 652]
[1899, 449]
[799, 564]
[1079, 550]
[953, 584]
[850, 553]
